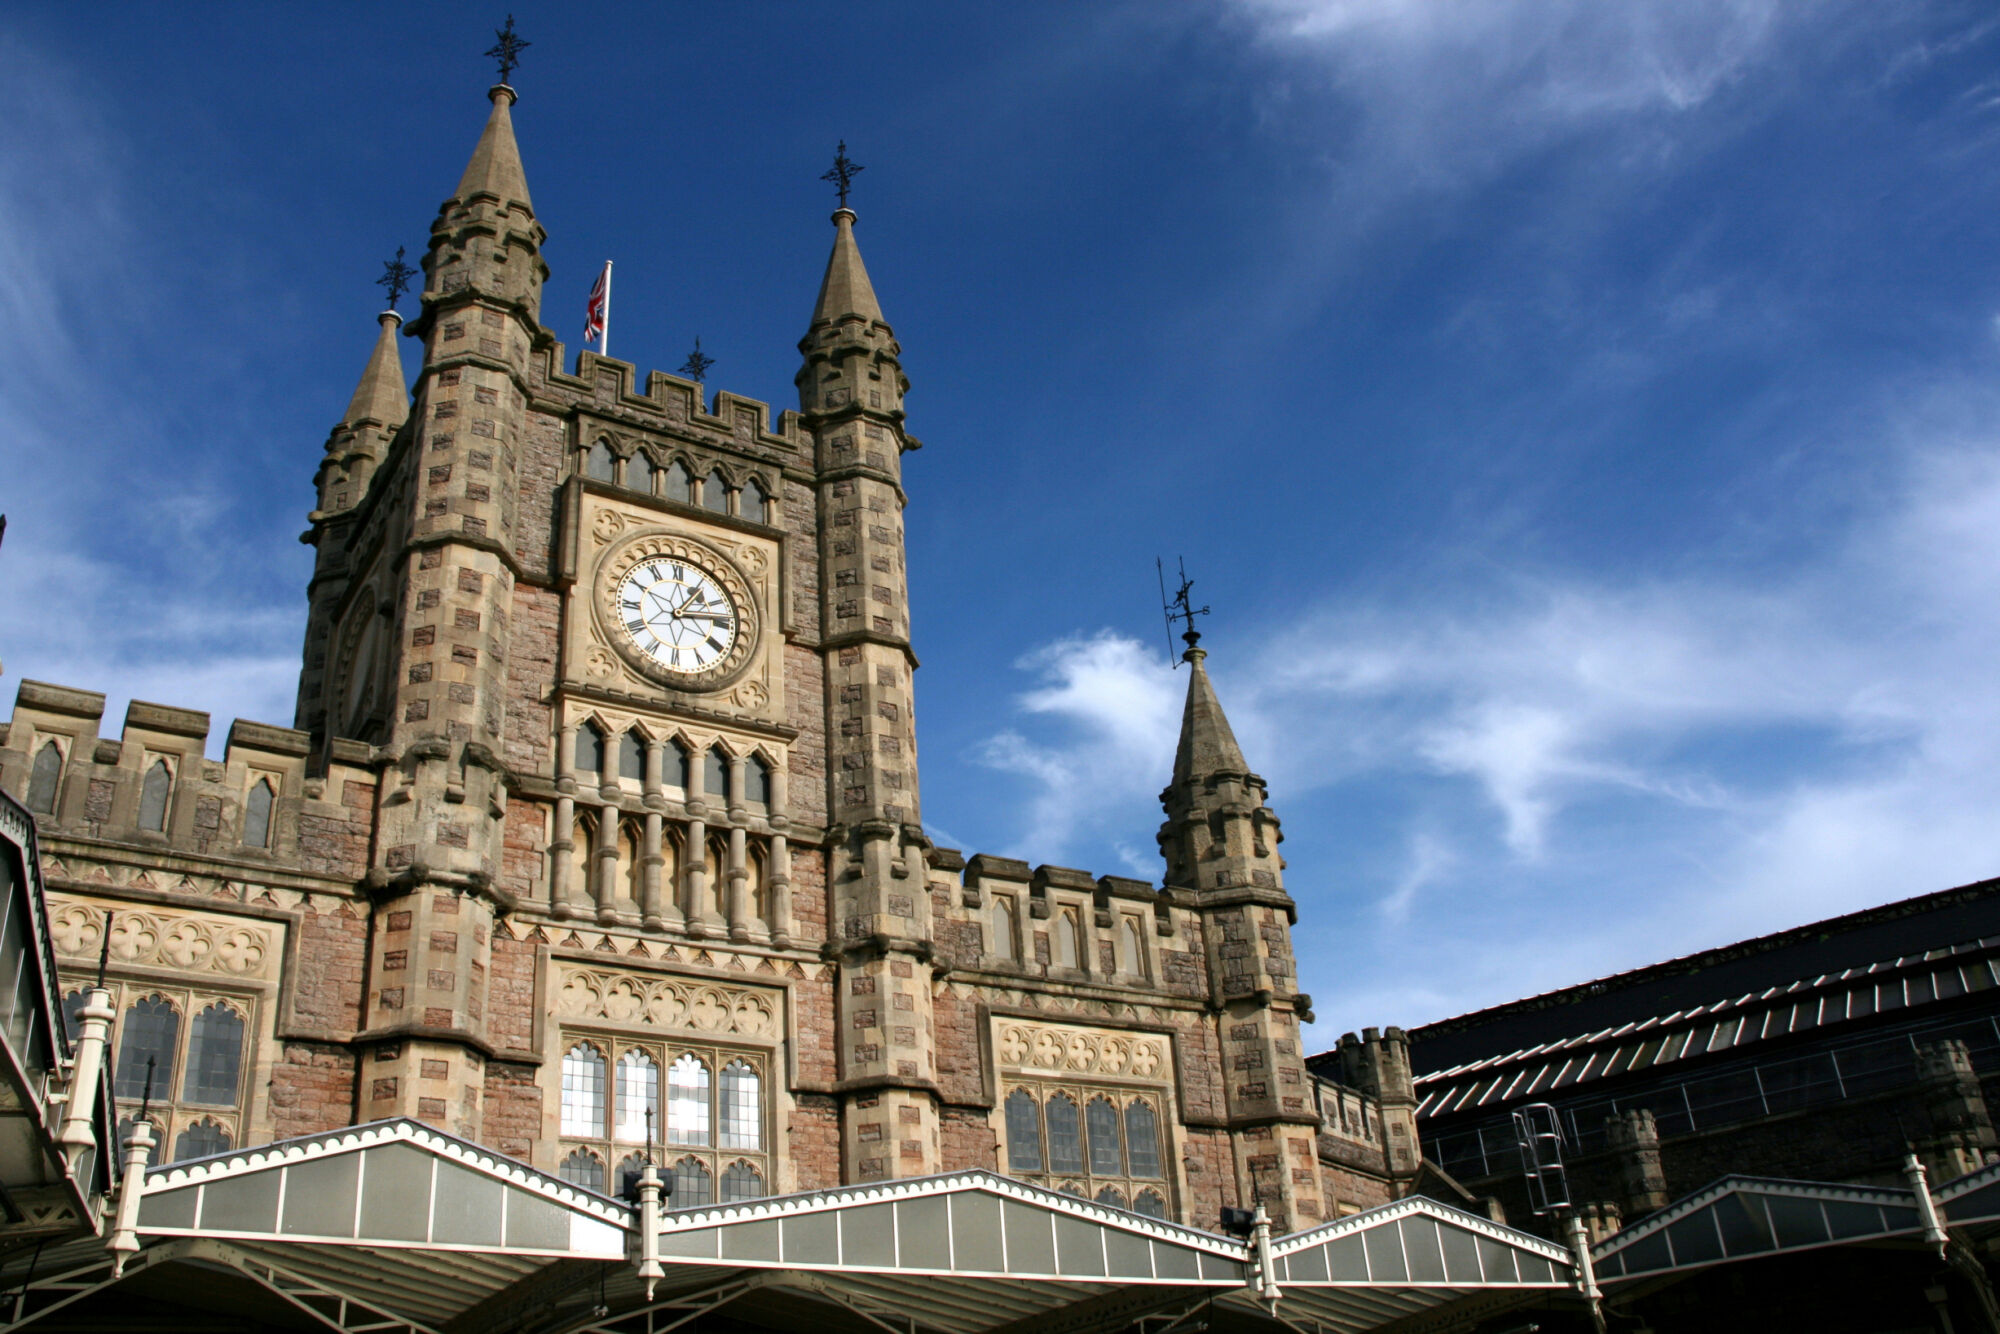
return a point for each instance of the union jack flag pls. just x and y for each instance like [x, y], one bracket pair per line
[597, 315]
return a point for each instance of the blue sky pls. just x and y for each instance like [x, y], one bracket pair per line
[1583, 417]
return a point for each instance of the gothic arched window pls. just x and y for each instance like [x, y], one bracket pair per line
[1150, 1203]
[589, 751]
[639, 473]
[1142, 1139]
[638, 1094]
[715, 774]
[200, 1140]
[756, 504]
[1068, 939]
[153, 795]
[1006, 939]
[742, 1108]
[1100, 1121]
[601, 464]
[152, 1031]
[687, 1101]
[757, 781]
[43, 780]
[693, 1186]
[215, 1057]
[632, 756]
[1024, 1132]
[257, 815]
[583, 1092]
[741, 1181]
[583, 1168]
[73, 1005]
[680, 484]
[676, 765]
[1065, 1134]
[715, 492]
[1134, 944]
[1112, 1196]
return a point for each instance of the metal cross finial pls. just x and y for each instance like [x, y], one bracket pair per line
[396, 277]
[845, 169]
[698, 362]
[508, 49]
[1179, 607]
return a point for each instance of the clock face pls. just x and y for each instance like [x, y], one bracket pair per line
[676, 613]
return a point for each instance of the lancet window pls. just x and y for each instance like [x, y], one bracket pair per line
[257, 815]
[44, 778]
[601, 464]
[154, 794]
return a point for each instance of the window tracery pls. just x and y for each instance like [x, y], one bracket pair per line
[712, 1126]
[197, 1067]
[1094, 1143]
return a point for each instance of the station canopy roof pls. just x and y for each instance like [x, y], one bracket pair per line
[397, 1226]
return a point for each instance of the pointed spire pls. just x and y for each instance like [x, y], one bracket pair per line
[383, 396]
[495, 168]
[1208, 747]
[845, 290]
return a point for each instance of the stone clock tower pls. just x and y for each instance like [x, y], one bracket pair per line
[631, 659]
[598, 824]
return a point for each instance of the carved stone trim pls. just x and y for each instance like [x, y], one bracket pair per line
[687, 1004]
[180, 941]
[1044, 1049]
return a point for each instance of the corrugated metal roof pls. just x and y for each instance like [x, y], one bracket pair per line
[1725, 1025]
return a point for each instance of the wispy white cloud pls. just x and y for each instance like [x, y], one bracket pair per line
[1103, 704]
[123, 570]
[1665, 763]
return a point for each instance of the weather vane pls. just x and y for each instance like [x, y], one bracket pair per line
[698, 362]
[845, 169]
[508, 49]
[396, 277]
[1179, 607]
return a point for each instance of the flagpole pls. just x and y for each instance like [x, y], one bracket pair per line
[604, 334]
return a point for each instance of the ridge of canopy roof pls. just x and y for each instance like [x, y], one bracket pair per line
[947, 1183]
[404, 1130]
[1423, 1206]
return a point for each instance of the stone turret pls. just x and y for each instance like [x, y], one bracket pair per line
[354, 451]
[442, 802]
[1221, 846]
[851, 392]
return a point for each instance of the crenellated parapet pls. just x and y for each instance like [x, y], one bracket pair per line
[153, 787]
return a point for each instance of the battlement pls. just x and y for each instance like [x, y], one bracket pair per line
[670, 402]
[153, 786]
[983, 876]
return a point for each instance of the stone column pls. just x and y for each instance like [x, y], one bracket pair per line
[651, 917]
[604, 865]
[695, 909]
[739, 884]
[562, 894]
[779, 890]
